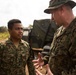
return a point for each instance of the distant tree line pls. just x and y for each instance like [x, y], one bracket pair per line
[3, 29]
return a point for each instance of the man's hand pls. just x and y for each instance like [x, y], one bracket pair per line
[38, 62]
[47, 70]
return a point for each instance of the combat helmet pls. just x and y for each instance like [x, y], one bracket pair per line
[53, 4]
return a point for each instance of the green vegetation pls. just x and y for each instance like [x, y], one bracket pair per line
[4, 35]
[3, 29]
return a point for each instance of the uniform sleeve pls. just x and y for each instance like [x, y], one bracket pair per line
[1, 52]
[72, 51]
[30, 65]
[67, 57]
[0, 55]
[71, 57]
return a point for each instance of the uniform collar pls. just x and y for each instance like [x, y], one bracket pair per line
[9, 41]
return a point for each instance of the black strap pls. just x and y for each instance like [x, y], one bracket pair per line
[46, 34]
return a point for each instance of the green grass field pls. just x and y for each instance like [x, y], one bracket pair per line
[4, 35]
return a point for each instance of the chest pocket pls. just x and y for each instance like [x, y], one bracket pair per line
[25, 54]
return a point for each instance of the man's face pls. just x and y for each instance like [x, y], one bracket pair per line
[17, 31]
[56, 15]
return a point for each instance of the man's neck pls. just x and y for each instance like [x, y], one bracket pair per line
[15, 41]
[68, 21]
[68, 18]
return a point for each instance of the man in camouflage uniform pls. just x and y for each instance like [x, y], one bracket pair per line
[15, 53]
[62, 56]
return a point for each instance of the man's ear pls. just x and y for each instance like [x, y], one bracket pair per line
[61, 9]
[9, 30]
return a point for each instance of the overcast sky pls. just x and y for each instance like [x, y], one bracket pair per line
[25, 10]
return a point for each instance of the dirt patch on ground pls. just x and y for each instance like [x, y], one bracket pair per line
[2, 40]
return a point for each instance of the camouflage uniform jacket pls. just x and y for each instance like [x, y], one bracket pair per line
[13, 60]
[62, 59]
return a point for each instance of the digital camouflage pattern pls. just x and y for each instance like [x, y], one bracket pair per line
[13, 60]
[62, 60]
[54, 4]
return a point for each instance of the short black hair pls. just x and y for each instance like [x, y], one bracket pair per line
[11, 23]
